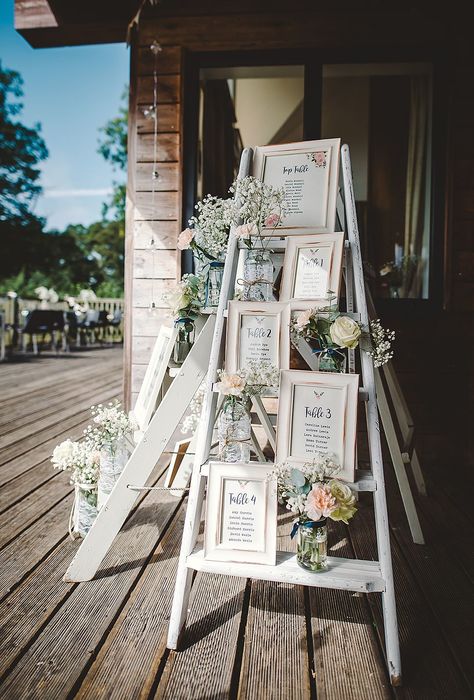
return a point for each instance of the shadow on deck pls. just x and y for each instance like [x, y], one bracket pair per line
[249, 639]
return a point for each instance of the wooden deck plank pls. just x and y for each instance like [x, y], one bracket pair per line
[428, 668]
[55, 661]
[141, 629]
[53, 428]
[28, 482]
[276, 624]
[210, 641]
[348, 660]
[16, 413]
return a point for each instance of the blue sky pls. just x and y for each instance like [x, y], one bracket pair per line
[71, 91]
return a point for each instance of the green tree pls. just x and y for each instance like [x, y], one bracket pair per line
[21, 150]
[113, 147]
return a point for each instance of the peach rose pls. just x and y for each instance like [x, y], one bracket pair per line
[320, 503]
[231, 385]
[185, 238]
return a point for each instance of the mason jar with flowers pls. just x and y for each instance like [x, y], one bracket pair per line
[257, 208]
[81, 460]
[330, 333]
[314, 494]
[186, 301]
[234, 423]
[111, 433]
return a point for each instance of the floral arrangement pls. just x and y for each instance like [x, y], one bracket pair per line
[313, 493]
[257, 206]
[328, 328]
[252, 380]
[79, 458]
[110, 426]
[187, 298]
[209, 228]
[382, 340]
[47, 296]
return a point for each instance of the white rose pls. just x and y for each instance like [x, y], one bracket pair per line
[345, 332]
[63, 452]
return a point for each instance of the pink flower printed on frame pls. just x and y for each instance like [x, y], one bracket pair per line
[319, 158]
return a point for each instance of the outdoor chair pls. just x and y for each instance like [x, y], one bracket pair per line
[88, 325]
[43, 322]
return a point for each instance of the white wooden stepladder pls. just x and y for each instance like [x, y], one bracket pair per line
[349, 574]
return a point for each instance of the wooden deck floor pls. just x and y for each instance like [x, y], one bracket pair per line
[254, 640]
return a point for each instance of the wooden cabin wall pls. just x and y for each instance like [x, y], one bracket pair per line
[150, 275]
[339, 35]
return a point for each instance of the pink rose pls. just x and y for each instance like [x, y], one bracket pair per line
[272, 221]
[303, 319]
[320, 503]
[246, 230]
[185, 238]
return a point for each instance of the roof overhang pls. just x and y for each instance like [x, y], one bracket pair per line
[45, 23]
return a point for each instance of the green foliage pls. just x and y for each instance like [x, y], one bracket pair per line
[113, 147]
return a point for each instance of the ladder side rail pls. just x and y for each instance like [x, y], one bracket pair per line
[204, 439]
[373, 429]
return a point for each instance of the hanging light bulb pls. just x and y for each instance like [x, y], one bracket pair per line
[152, 309]
[155, 48]
[149, 112]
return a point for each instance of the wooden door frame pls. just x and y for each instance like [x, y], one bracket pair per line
[313, 61]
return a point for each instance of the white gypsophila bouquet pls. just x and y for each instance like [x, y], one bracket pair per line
[47, 295]
[191, 422]
[382, 340]
[256, 206]
[81, 459]
[110, 425]
[210, 226]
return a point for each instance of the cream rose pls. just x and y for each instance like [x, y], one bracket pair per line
[345, 332]
[345, 501]
[185, 238]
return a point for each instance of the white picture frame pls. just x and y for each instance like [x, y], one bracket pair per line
[241, 513]
[312, 266]
[318, 413]
[309, 173]
[149, 391]
[247, 324]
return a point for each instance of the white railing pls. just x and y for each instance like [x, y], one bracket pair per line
[11, 315]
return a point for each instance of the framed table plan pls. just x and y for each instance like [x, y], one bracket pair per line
[309, 173]
[312, 267]
[241, 513]
[257, 332]
[318, 415]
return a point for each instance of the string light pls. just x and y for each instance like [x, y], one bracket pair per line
[151, 113]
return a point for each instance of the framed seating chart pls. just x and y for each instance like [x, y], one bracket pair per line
[257, 332]
[241, 513]
[309, 173]
[312, 267]
[318, 414]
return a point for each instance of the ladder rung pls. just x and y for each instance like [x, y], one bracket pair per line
[346, 574]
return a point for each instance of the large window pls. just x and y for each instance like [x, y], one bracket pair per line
[383, 111]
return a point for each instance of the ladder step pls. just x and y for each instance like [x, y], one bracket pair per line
[345, 574]
[364, 481]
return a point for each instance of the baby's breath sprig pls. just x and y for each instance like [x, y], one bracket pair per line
[382, 340]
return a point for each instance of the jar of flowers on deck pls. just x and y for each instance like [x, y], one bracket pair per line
[314, 494]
